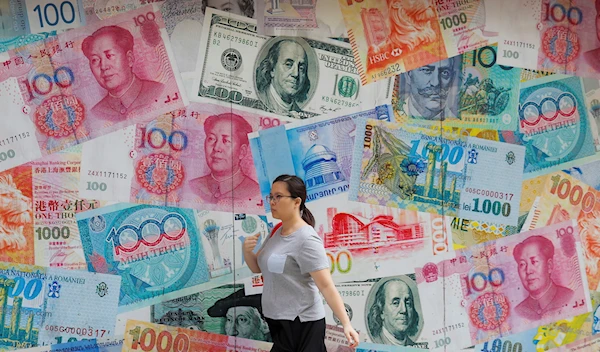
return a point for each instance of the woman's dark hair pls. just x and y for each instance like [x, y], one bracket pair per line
[297, 189]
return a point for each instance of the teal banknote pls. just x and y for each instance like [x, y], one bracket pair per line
[42, 306]
[419, 167]
[319, 152]
[468, 90]
[9, 43]
[164, 253]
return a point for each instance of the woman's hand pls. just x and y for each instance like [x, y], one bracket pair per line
[351, 335]
[250, 242]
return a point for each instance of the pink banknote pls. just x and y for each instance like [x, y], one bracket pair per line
[194, 158]
[85, 83]
[505, 286]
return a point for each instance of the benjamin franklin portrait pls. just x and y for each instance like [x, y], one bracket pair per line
[286, 74]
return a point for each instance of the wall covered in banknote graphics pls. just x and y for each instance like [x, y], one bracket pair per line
[447, 150]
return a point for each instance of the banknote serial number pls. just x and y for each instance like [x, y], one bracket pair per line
[488, 193]
[352, 293]
[234, 39]
[107, 174]
[448, 328]
[389, 71]
[12, 139]
[519, 44]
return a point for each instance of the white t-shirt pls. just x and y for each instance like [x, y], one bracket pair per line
[286, 263]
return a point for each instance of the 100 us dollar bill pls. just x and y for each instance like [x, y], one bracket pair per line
[293, 76]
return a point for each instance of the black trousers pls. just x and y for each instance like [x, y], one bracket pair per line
[297, 336]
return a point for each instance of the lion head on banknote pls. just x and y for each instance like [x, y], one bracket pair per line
[15, 213]
[411, 23]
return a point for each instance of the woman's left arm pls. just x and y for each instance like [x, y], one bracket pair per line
[334, 300]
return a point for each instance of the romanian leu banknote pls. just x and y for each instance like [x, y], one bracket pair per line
[164, 253]
[146, 336]
[24, 17]
[468, 90]
[504, 286]
[83, 345]
[240, 67]
[564, 197]
[390, 37]
[424, 168]
[84, 83]
[194, 158]
[551, 35]
[42, 306]
[387, 310]
[38, 202]
[319, 151]
[554, 124]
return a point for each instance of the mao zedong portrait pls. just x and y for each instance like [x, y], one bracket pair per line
[429, 89]
[282, 77]
[393, 318]
[535, 261]
[109, 51]
[225, 146]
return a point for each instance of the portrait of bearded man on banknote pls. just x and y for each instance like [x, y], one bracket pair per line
[592, 57]
[429, 92]
[109, 51]
[393, 318]
[283, 78]
[243, 316]
[225, 146]
[535, 260]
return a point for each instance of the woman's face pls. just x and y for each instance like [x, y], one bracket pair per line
[285, 206]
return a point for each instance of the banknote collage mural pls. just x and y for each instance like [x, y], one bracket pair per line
[450, 151]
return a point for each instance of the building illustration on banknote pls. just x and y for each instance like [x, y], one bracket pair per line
[13, 335]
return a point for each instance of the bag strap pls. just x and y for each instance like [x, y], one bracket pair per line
[275, 228]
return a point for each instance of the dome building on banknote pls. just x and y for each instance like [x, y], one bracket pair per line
[320, 168]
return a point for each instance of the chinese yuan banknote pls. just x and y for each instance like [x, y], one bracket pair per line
[146, 336]
[24, 17]
[468, 90]
[92, 345]
[564, 197]
[378, 319]
[503, 287]
[319, 151]
[423, 168]
[196, 158]
[363, 241]
[164, 253]
[551, 35]
[554, 124]
[64, 91]
[42, 306]
[390, 37]
[38, 203]
[237, 66]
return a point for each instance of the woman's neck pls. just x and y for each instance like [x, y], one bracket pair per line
[289, 226]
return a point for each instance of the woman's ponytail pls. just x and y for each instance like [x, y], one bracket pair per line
[307, 216]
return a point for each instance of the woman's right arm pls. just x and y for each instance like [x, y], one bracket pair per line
[251, 258]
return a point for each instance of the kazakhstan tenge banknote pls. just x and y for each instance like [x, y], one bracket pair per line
[48, 305]
[293, 76]
[490, 290]
[424, 168]
[65, 90]
[164, 253]
[390, 37]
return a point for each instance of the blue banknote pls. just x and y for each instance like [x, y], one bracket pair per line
[319, 152]
[92, 345]
[413, 166]
[554, 124]
[23, 17]
[42, 306]
[165, 253]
